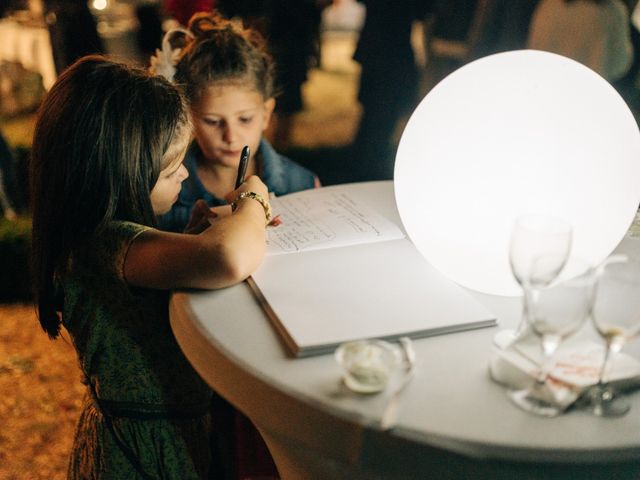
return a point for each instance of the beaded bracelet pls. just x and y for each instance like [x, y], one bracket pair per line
[258, 198]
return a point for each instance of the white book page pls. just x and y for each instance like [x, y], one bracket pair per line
[378, 290]
[325, 218]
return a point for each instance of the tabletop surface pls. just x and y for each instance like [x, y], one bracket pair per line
[451, 403]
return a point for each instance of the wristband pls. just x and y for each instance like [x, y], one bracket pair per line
[257, 197]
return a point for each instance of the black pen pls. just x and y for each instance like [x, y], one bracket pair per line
[242, 168]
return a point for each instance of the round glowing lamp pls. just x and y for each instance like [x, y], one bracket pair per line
[517, 132]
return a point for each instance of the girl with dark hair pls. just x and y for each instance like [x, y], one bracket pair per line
[228, 77]
[107, 159]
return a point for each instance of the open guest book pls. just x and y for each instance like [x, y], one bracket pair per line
[339, 268]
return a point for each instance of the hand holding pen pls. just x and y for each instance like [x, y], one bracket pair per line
[202, 216]
[242, 170]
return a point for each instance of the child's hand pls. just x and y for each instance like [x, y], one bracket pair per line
[221, 211]
[275, 221]
[201, 217]
[251, 184]
[253, 188]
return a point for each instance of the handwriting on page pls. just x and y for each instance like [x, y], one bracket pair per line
[325, 220]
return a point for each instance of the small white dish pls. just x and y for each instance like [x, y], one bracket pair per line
[368, 364]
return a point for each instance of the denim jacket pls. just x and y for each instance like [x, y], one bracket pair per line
[280, 174]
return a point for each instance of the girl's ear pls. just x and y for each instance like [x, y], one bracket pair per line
[269, 105]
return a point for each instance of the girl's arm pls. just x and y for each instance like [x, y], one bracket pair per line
[222, 255]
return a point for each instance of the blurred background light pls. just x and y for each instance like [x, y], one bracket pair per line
[99, 4]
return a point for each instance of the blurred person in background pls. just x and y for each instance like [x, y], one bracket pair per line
[182, 10]
[503, 26]
[595, 33]
[149, 15]
[292, 30]
[628, 84]
[389, 81]
[73, 31]
[7, 181]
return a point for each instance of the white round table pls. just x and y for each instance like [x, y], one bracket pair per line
[453, 422]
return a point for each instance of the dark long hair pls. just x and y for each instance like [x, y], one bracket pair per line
[99, 141]
[223, 51]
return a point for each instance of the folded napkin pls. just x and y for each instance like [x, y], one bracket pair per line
[576, 366]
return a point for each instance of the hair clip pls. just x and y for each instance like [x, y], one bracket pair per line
[164, 61]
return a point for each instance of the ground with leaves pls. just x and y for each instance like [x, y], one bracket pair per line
[40, 401]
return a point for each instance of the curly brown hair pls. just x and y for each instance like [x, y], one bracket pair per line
[223, 52]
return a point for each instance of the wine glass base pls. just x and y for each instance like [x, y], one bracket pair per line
[528, 401]
[605, 403]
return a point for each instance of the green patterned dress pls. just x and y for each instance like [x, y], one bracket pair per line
[144, 399]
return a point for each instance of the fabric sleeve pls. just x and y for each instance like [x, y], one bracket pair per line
[113, 247]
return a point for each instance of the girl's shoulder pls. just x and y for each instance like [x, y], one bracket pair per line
[118, 234]
[108, 249]
[283, 175]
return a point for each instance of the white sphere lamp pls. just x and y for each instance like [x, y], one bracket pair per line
[517, 132]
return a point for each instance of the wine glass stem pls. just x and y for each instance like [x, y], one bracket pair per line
[605, 362]
[549, 345]
[530, 295]
[545, 368]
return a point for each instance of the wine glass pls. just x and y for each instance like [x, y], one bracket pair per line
[616, 317]
[535, 236]
[553, 313]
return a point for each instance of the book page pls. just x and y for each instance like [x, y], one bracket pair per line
[321, 298]
[325, 218]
